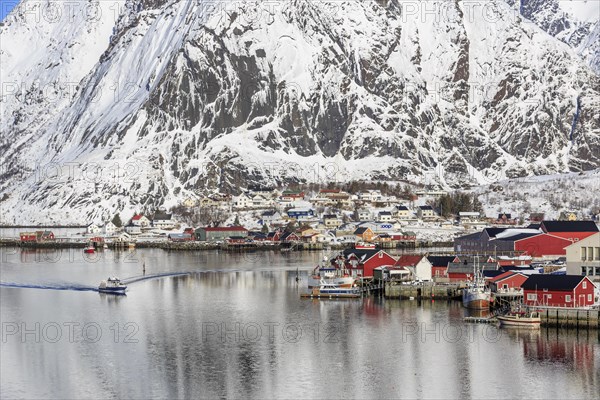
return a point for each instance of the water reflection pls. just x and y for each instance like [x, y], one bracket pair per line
[217, 325]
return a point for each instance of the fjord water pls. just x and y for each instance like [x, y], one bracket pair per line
[215, 324]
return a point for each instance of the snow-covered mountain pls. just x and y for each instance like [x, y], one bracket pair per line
[574, 22]
[143, 104]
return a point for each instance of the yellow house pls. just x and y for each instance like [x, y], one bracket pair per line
[364, 233]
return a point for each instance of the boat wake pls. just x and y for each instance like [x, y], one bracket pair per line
[140, 278]
[74, 287]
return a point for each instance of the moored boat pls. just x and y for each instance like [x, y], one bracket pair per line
[112, 285]
[89, 249]
[521, 319]
[476, 295]
[331, 290]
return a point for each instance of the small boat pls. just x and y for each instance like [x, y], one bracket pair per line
[112, 285]
[524, 319]
[365, 246]
[331, 290]
[89, 249]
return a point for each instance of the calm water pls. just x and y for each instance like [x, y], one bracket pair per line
[229, 325]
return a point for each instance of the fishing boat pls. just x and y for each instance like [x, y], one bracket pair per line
[112, 285]
[331, 271]
[521, 319]
[476, 295]
[89, 249]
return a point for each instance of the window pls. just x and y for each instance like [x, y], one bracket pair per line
[590, 253]
[589, 298]
[549, 296]
[583, 254]
[568, 298]
[531, 296]
[584, 284]
[504, 286]
[597, 257]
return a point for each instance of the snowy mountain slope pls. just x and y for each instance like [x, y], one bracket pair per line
[574, 22]
[193, 95]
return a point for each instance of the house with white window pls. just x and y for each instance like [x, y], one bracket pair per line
[583, 257]
[140, 220]
[163, 221]
[242, 201]
[93, 228]
[109, 229]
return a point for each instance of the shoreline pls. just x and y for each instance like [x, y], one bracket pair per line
[196, 245]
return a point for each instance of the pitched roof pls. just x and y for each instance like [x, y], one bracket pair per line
[552, 282]
[570, 226]
[467, 268]
[361, 230]
[401, 208]
[362, 254]
[385, 213]
[426, 207]
[440, 261]
[504, 275]
[492, 232]
[408, 260]
[330, 216]
[519, 236]
[137, 217]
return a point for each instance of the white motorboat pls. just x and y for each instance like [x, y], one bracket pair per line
[112, 285]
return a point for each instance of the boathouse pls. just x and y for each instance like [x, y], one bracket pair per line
[507, 282]
[364, 261]
[558, 291]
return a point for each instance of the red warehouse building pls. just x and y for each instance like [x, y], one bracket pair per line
[543, 245]
[363, 262]
[571, 230]
[508, 281]
[558, 290]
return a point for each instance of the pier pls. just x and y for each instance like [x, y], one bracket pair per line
[397, 290]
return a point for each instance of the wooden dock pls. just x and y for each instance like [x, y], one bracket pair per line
[397, 290]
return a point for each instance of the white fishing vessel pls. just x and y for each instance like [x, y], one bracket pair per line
[331, 290]
[112, 285]
[331, 272]
[476, 295]
[521, 319]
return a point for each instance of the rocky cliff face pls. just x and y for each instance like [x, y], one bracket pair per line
[185, 96]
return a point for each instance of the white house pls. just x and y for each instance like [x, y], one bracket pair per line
[242, 201]
[583, 257]
[163, 221]
[385, 216]
[270, 216]
[93, 228]
[419, 266]
[364, 215]
[109, 228]
[332, 221]
[425, 212]
[402, 212]
[133, 229]
[140, 220]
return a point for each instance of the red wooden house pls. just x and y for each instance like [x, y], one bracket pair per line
[507, 281]
[558, 290]
[363, 262]
[28, 237]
